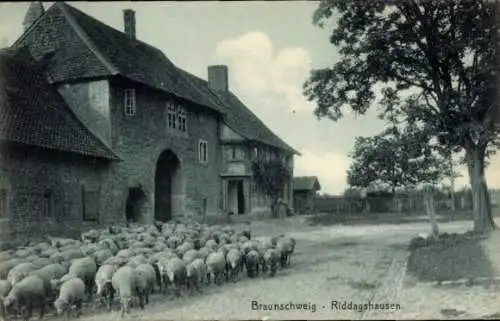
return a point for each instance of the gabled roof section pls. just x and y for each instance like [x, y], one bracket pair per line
[240, 118]
[306, 183]
[33, 113]
[34, 12]
[110, 52]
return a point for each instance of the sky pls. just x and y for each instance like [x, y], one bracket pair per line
[269, 48]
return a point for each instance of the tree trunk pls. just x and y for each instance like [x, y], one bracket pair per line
[274, 207]
[483, 220]
[431, 212]
[452, 184]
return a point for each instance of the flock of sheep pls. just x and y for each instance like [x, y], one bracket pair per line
[130, 263]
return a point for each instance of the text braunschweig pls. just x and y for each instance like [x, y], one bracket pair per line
[290, 306]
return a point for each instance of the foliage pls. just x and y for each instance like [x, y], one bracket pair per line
[441, 50]
[271, 176]
[435, 63]
[394, 159]
[352, 192]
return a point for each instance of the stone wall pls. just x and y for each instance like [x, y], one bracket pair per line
[140, 140]
[44, 193]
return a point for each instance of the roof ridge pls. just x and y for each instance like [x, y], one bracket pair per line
[257, 119]
[223, 102]
[199, 90]
[85, 38]
[182, 71]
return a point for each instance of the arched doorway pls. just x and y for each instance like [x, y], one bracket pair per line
[135, 202]
[168, 185]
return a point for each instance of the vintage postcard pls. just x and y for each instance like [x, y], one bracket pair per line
[252, 160]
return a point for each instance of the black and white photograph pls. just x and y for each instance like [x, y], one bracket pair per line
[250, 160]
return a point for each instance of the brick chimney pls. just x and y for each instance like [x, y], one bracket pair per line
[129, 22]
[217, 78]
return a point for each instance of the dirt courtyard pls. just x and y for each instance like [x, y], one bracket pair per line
[362, 266]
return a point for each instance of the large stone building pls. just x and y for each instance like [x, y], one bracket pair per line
[98, 127]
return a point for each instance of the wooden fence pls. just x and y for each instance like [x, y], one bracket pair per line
[413, 203]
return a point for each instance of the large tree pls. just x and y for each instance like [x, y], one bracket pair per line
[395, 159]
[436, 59]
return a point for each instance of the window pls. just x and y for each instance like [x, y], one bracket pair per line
[181, 117]
[47, 207]
[130, 104]
[3, 203]
[233, 152]
[176, 117]
[90, 204]
[254, 187]
[171, 119]
[202, 151]
[255, 152]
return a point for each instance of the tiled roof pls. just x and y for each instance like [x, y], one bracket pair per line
[240, 118]
[100, 50]
[33, 113]
[305, 183]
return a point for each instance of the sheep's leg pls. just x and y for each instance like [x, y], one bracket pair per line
[122, 311]
[165, 285]
[141, 301]
[176, 290]
[111, 296]
[42, 308]
[79, 309]
[28, 312]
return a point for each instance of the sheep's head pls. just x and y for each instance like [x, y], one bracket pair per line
[9, 301]
[55, 284]
[61, 306]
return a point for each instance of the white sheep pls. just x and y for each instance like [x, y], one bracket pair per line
[216, 267]
[252, 260]
[72, 293]
[103, 284]
[271, 261]
[196, 271]
[85, 269]
[5, 287]
[19, 272]
[24, 295]
[124, 283]
[190, 256]
[146, 279]
[233, 264]
[286, 246]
